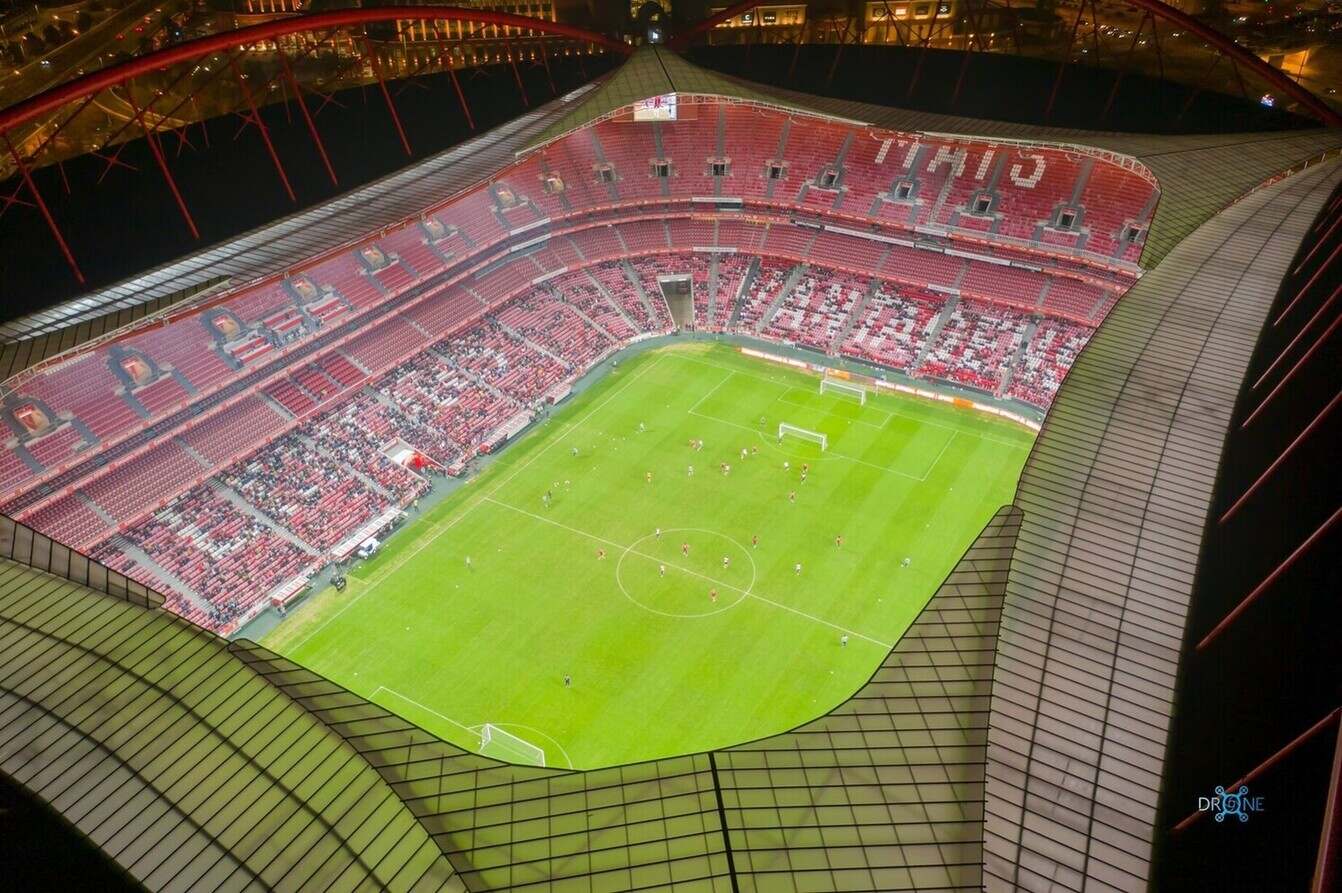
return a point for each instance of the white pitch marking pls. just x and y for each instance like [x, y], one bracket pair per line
[892, 412]
[435, 533]
[601, 539]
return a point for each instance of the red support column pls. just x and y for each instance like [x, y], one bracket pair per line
[1062, 67]
[1123, 70]
[1298, 335]
[545, 57]
[1268, 581]
[44, 210]
[461, 97]
[391, 106]
[307, 118]
[162, 162]
[1287, 377]
[918, 67]
[255, 118]
[517, 76]
[1330, 719]
[1267, 473]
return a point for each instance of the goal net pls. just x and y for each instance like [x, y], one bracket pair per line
[504, 745]
[830, 386]
[784, 429]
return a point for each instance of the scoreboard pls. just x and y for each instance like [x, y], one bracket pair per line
[656, 108]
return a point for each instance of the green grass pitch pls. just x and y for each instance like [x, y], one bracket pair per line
[657, 667]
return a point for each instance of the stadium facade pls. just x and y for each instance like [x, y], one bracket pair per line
[1015, 738]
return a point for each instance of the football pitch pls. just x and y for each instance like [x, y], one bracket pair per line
[474, 614]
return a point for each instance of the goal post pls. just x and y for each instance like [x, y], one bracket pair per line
[504, 745]
[830, 385]
[784, 429]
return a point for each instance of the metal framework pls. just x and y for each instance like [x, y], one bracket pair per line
[1153, 12]
[152, 122]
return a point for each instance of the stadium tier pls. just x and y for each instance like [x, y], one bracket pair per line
[298, 410]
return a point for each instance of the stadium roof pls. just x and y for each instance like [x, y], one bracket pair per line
[1014, 737]
[1198, 175]
[655, 71]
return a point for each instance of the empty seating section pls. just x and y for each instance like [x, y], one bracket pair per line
[303, 490]
[289, 395]
[141, 483]
[395, 278]
[230, 432]
[788, 241]
[817, 308]
[859, 254]
[1052, 350]
[744, 237]
[687, 233]
[345, 373]
[473, 215]
[974, 345]
[597, 243]
[894, 327]
[343, 272]
[161, 395]
[544, 320]
[1007, 285]
[410, 244]
[644, 237]
[763, 290]
[688, 143]
[442, 312]
[501, 282]
[1113, 198]
[811, 148]
[384, 344]
[68, 519]
[1078, 300]
[12, 469]
[317, 383]
[751, 142]
[923, 267]
[56, 447]
[631, 150]
[85, 389]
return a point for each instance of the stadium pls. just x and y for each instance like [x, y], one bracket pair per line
[682, 479]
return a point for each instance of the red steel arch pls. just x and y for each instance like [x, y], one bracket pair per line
[1227, 46]
[79, 88]
[85, 88]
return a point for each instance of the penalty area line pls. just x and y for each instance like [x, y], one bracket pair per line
[748, 594]
[427, 709]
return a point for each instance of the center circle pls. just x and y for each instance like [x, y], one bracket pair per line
[688, 579]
